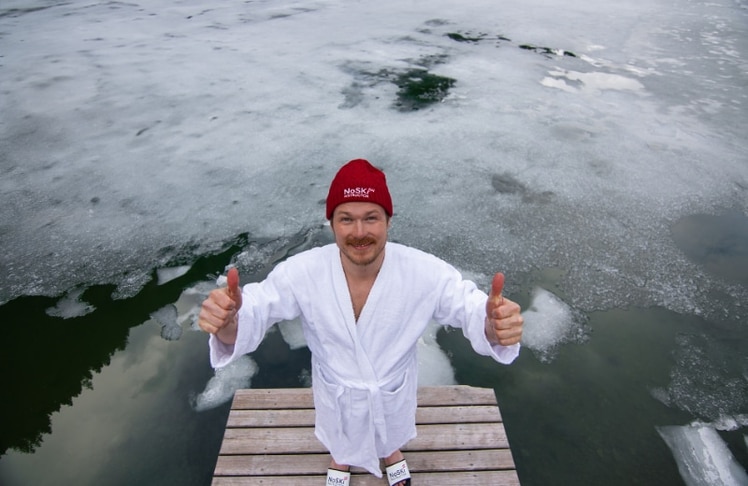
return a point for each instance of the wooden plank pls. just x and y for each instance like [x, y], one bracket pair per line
[472, 460]
[272, 464]
[472, 478]
[458, 437]
[302, 439]
[305, 464]
[272, 398]
[455, 395]
[461, 414]
[270, 418]
[271, 441]
[293, 398]
[302, 417]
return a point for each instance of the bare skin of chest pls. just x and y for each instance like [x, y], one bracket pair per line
[359, 293]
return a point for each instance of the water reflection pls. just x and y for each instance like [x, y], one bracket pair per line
[134, 424]
[48, 361]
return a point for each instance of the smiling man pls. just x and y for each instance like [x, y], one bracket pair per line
[363, 304]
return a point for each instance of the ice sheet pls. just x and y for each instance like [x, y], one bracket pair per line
[220, 389]
[434, 366]
[292, 333]
[702, 456]
[549, 322]
[168, 274]
[130, 133]
[706, 380]
[71, 305]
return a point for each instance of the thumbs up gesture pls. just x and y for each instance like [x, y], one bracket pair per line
[503, 317]
[218, 314]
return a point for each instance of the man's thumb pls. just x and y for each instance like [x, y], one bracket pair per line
[232, 277]
[497, 286]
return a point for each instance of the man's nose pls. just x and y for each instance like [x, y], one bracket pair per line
[359, 228]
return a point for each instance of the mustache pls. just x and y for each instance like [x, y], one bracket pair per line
[367, 240]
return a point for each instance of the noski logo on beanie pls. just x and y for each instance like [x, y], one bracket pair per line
[357, 192]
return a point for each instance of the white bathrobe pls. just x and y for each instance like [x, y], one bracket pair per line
[364, 374]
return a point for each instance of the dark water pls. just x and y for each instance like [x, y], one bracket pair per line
[718, 243]
[105, 399]
[588, 417]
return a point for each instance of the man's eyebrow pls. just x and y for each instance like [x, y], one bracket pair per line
[372, 212]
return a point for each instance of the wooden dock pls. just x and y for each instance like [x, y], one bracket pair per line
[269, 439]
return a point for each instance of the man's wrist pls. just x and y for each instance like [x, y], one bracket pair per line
[228, 334]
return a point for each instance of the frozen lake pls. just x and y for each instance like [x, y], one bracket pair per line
[595, 152]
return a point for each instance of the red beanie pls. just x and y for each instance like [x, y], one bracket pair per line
[359, 181]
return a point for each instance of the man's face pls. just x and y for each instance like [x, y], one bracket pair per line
[360, 230]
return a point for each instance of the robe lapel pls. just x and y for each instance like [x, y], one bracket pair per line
[343, 298]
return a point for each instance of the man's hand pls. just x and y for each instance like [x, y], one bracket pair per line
[219, 310]
[503, 317]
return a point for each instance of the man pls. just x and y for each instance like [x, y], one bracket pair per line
[363, 304]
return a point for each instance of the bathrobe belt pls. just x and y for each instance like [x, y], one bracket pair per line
[376, 407]
[375, 399]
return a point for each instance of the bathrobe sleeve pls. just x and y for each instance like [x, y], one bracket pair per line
[461, 304]
[263, 304]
